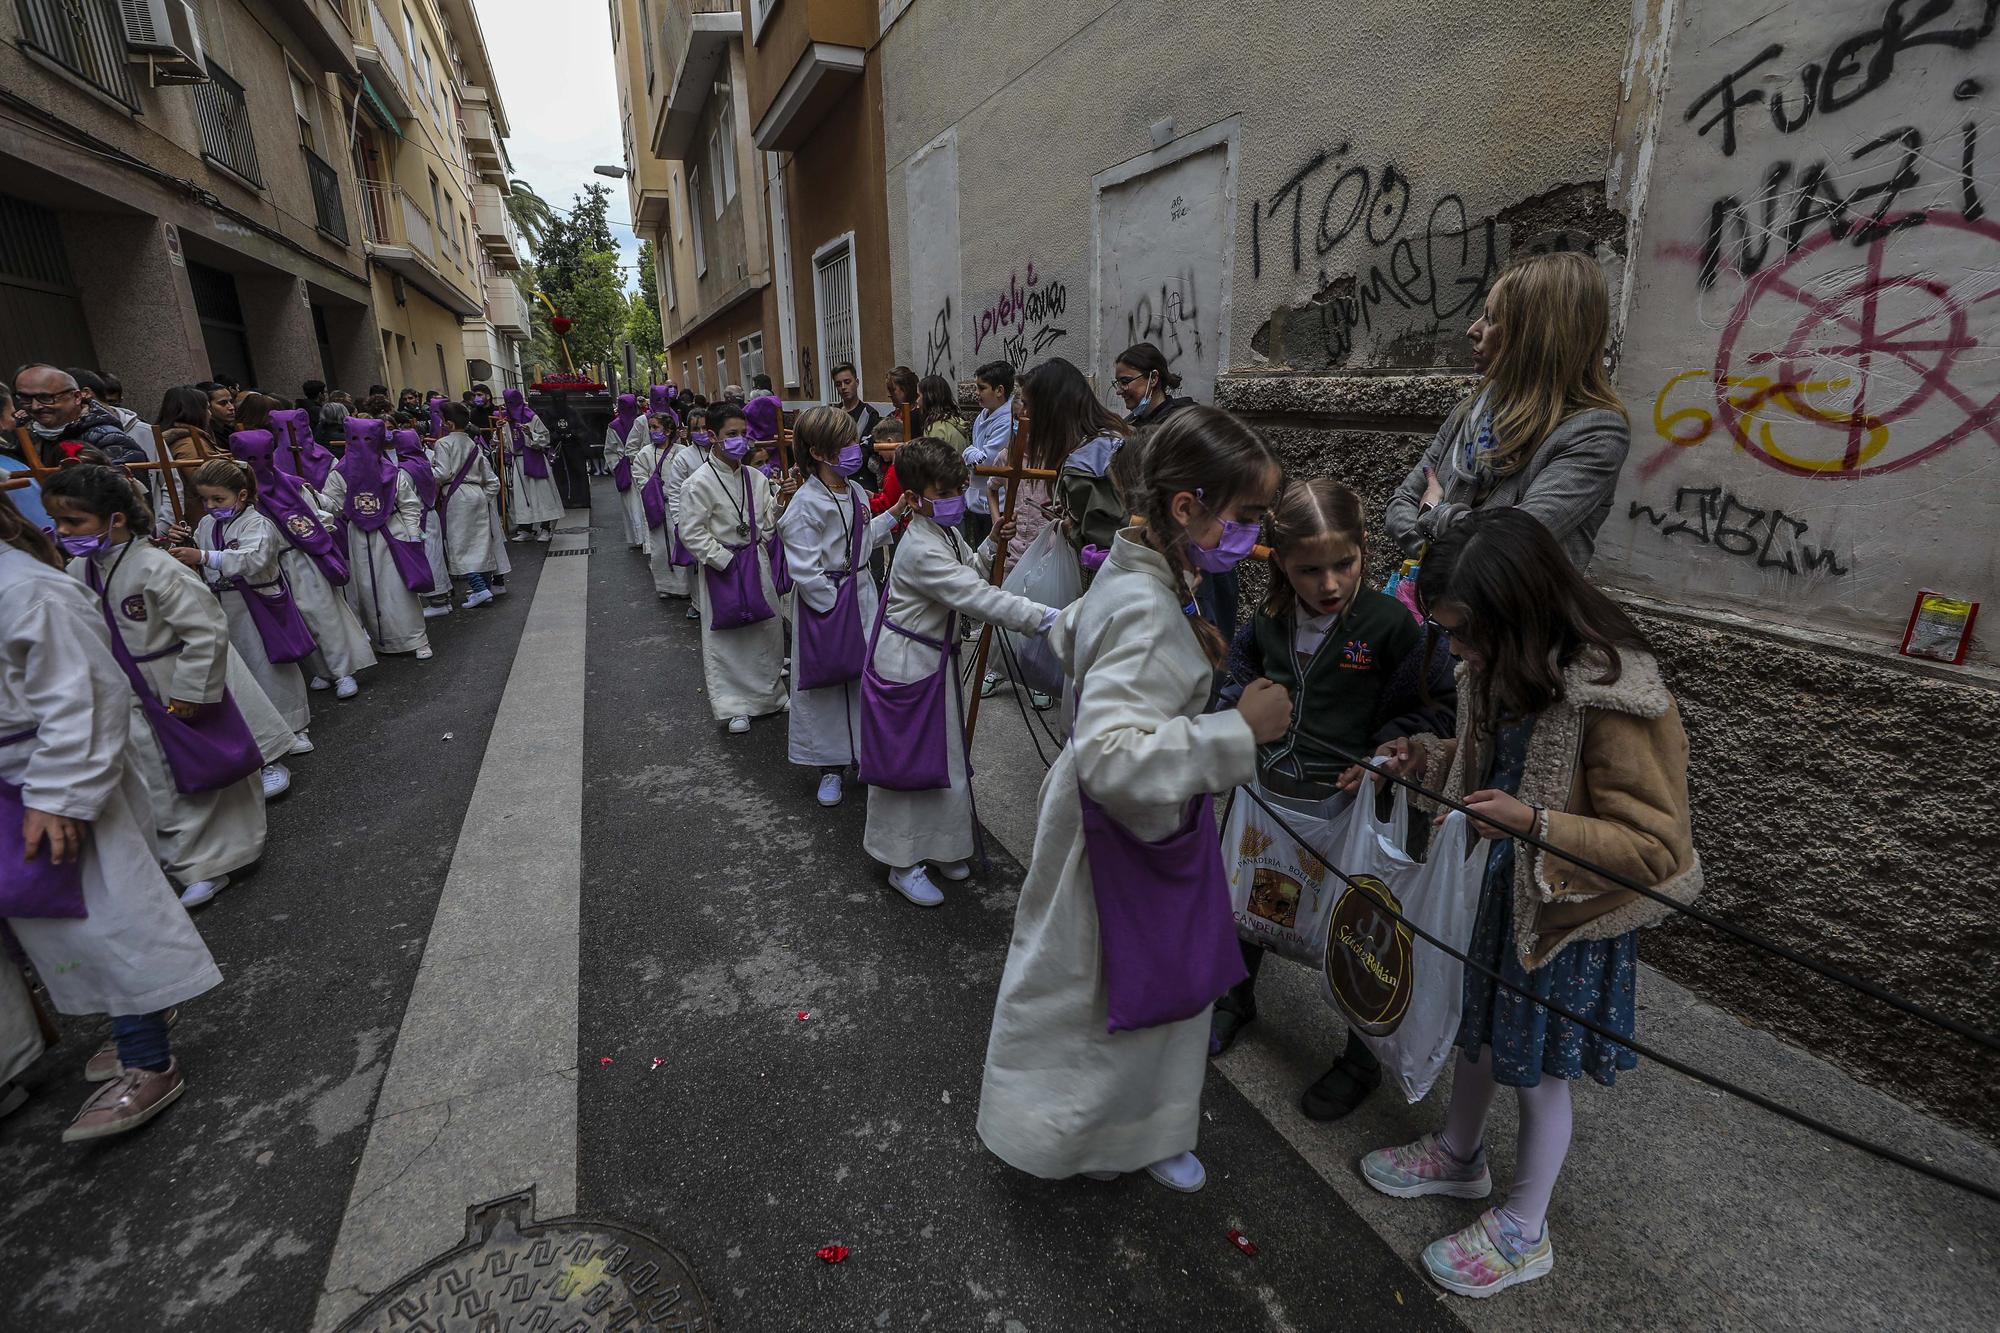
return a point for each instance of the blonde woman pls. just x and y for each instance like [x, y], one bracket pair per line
[1544, 433]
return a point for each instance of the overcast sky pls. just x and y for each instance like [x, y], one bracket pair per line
[554, 66]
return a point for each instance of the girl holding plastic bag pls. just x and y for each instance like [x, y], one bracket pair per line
[828, 539]
[1566, 730]
[1355, 663]
[1123, 938]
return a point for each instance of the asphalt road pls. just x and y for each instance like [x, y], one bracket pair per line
[718, 903]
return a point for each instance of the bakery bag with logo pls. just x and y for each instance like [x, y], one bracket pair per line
[1281, 894]
[1401, 994]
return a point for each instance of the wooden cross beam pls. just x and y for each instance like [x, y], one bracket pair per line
[37, 469]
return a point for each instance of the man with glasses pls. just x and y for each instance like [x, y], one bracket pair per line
[63, 420]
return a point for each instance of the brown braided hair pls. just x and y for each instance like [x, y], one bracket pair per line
[1199, 449]
[226, 474]
[19, 533]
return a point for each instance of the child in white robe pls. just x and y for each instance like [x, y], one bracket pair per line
[828, 537]
[237, 552]
[536, 503]
[1062, 1095]
[935, 580]
[178, 636]
[623, 438]
[728, 511]
[377, 501]
[688, 456]
[65, 722]
[651, 461]
[466, 482]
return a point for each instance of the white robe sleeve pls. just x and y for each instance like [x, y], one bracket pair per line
[251, 555]
[940, 576]
[81, 703]
[409, 505]
[806, 544]
[880, 529]
[704, 503]
[333, 496]
[199, 622]
[1129, 749]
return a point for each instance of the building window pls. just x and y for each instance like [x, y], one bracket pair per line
[687, 380]
[721, 369]
[726, 132]
[645, 38]
[225, 124]
[781, 261]
[700, 377]
[760, 10]
[409, 30]
[715, 167]
[694, 219]
[750, 359]
[674, 202]
[86, 38]
[835, 302]
[302, 107]
[437, 202]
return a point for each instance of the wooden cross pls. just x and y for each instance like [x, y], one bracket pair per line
[37, 469]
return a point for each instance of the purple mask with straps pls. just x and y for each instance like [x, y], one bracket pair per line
[948, 512]
[1238, 539]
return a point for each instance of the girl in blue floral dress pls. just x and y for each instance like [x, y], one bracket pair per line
[1566, 730]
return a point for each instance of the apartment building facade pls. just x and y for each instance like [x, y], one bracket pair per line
[431, 160]
[176, 202]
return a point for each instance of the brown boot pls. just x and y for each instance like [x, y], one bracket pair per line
[126, 1102]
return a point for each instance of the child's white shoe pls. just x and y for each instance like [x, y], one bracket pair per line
[738, 725]
[433, 612]
[346, 688]
[480, 598]
[1184, 1173]
[277, 781]
[302, 744]
[694, 613]
[194, 895]
[915, 885]
[319, 683]
[426, 654]
[955, 871]
[829, 789]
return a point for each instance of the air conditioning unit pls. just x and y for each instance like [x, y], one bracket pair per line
[166, 36]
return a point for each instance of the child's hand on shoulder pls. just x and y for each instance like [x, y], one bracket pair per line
[1267, 707]
[187, 555]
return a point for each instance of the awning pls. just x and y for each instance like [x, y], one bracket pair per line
[378, 111]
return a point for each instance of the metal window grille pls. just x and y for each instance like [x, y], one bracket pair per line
[328, 210]
[834, 293]
[224, 117]
[85, 37]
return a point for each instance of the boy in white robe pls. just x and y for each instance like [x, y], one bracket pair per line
[623, 438]
[135, 953]
[935, 576]
[364, 484]
[466, 485]
[536, 503]
[728, 511]
[651, 461]
[819, 528]
[687, 457]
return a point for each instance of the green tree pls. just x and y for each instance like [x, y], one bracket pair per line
[531, 213]
[576, 266]
[642, 318]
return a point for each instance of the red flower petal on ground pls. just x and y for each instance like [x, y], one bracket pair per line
[833, 1254]
[604, 1059]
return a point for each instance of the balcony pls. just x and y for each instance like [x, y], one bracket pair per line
[322, 26]
[482, 135]
[495, 227]
[505, 310]
[85, 37]
[651, 206]
[401, 238]
[385, 64]
[696, 51]
[328, 211]
[224, 118]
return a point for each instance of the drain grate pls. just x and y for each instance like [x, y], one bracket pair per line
[570, 531]
[513, 1274]
[574, 550]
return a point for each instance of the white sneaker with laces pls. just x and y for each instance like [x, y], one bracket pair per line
[480, 598]
[433, 612]
[302, 744]
[277, 781]
[194, 895]
[319, 683]
[346, 688]
[956, 871]
[544, 535]
[425, 654]
[915, 885]
[829, 789]
[1184, 1173]
[738, 725]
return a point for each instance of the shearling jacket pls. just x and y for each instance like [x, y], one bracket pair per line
[1607, 764]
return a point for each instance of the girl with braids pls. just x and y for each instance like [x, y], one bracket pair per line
[236, 550]
[66, 751]
[1061, 1094]
[178, 636]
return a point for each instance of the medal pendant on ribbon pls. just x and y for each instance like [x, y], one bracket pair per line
[743, 529]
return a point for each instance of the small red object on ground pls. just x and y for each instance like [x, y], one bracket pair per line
[803, 1013]
[833, 1254]
[1242, 1242]
[604, 1059]
[658, 1060]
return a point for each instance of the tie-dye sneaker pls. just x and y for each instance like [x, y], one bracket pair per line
[1424, 1167]
[1489, 1256]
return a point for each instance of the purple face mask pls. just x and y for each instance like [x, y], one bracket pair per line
[769, 469]
[849, 461]
[1231, 551]
[659, 437]
[948, 512]
[736, 446]
[701, 437]
[85, 546]
[224, 514]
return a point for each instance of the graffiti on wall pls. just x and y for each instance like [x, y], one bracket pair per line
[1413, 264]
[1714, 517]
[1024, 322]
[931, 191]
[1168, 316]
[937, 345]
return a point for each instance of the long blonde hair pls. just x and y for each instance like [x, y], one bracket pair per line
[1552, 314]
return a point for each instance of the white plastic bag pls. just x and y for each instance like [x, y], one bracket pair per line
[1281, 894]
[1401, 994]
[1047, 573]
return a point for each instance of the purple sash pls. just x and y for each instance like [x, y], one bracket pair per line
[621, 473]
[781, 573]
[830, 649]
[901, 743]
[208, 752]
[653, 495]
[736, 594]
[678, 555]
[532, 462]
[37, 887]
[286, 636]
[1163, 917]
[280, 500]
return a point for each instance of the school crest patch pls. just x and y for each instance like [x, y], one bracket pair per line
[134, 607]
[299, 525]
[367, 503]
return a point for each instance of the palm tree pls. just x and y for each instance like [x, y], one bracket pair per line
[531, 213]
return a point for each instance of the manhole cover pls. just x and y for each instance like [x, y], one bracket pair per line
[566, 1275]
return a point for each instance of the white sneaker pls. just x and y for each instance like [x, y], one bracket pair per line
[738, 725]
[302, 744]
[915, 885]
[519, 535]
[499, 590]
[433, 612]
[319, 683]
[1184, 1173]
[194, 895]
[544, 535]
[480, 598]
[277, 781]
[829, 789]
[694, 613]
[346, 688]
[956, 871]
[425, 654]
